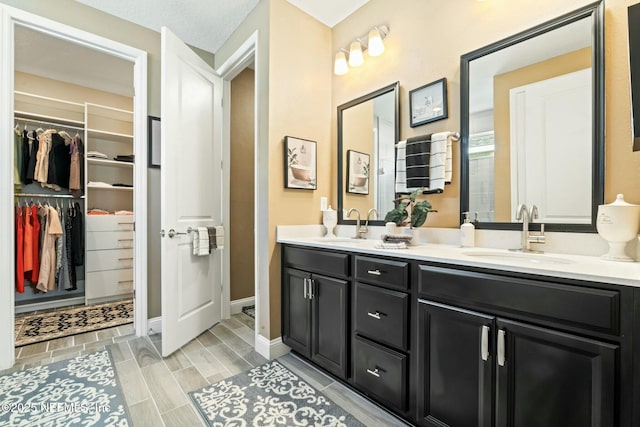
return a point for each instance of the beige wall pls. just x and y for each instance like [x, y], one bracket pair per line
[415, 57]
[502, 84]
[357, 134]
[242, 206]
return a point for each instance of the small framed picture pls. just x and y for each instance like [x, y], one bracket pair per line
[428, 103]
[357, 172]
[154, 142]
[300, 163]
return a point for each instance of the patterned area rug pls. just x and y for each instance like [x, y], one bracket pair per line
[80, 391]
[268, 395]
[250, 311]
[61, 323]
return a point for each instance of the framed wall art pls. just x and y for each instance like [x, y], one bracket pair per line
[357, 172]
[300, 163]
[154, 142]
[428, 103]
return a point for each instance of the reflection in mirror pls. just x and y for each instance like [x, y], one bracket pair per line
[367, 134]
[532, 124]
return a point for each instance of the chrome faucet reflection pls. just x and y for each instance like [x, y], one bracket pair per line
[526, 216]
[360, 230]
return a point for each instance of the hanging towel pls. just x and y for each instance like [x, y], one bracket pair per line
[216, 237]
[201, 241]
[401, 167]
[448, 169]
[418, 161]
[438, 161]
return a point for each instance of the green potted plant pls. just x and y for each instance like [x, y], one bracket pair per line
[408, 211]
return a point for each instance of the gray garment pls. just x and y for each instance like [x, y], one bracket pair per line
[63, 278]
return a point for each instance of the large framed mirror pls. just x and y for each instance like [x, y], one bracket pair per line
[368, 131]
[532, 125]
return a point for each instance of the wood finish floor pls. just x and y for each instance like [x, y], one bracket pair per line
[156, 389]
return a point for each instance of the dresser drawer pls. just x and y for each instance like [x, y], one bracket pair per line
[314, 260]
[101, 284]
[381, 373]
[546, 300]
[381, 314]
[109, 259]
[97, 240]
[109, 222]
[376, 271]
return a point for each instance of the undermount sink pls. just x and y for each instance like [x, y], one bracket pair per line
[518, 256]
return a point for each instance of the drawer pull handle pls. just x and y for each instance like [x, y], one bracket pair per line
[125, 259]
[484, 343]
[375, 272]
[125, 223]
[120, 282]
[501, 357]
[375, 315]
[375, 372]
[125, 240]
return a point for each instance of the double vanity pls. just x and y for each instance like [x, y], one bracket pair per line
[448, 336]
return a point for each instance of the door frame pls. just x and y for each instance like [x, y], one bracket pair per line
[8, 16]
[245, 54]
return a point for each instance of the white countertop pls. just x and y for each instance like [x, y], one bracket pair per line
[581, 267]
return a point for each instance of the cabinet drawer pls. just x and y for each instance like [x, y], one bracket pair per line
[576, 306]
[381, 314]
[314, 260]
[381, 373]
[97, 240]
[391, 274]
[101, 284]
[109, 259]
[109, 222]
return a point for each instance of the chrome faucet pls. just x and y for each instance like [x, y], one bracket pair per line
[526, 216]
[360, 230]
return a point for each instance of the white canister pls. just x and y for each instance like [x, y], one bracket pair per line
[618, 223]
[390, 228]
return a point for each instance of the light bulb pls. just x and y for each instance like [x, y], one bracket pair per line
[376, 47]
[355, 54]
[340, 66]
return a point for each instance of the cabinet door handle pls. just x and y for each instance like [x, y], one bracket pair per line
[304, 287]
[311, 286]
[375, 315]
[375, 272]
[501, 347]
[484, 343]
[375, 372]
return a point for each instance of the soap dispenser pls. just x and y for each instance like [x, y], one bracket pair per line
[467, 232]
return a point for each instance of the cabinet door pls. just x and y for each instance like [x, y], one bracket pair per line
[296, 313]
[330, 308]
[455, 366]
[553, 379]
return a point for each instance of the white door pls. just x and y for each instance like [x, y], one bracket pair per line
[191, 185]
[551, 147]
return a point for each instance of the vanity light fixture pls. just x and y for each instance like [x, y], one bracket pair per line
[371, 43]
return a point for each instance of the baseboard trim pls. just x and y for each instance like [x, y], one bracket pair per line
[271, 349]
[236, 305]
[154, 326]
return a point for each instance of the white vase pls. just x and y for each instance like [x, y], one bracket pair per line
[415, 234]
[618, 223]
[330, 220]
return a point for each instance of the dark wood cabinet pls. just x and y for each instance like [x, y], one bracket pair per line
[455, 367]
[553, 379]
[314, 318]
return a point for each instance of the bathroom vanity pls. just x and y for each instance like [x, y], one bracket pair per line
[442, 336]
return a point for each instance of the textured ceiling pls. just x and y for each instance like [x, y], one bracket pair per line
[207, 24]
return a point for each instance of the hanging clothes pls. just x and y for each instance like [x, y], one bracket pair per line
[17, 137]
[46, 280]
[42, 160]
[19, 218]
[76, 172]
[27, 240]
[26, 155]
[63, 280]
[32, 276]
[59, 161]
[77, 235]
[69, 249]
[35, 144]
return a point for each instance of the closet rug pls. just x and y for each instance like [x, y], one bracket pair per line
[61, 323]
[81, 391]
[268, 395]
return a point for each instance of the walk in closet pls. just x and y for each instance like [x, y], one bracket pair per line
[78, 102]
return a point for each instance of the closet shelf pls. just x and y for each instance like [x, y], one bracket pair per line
[98, 187]
[109, 136]
[109, 112]
[47, 196]
[49, 108]
[107, 162]
[24, 115]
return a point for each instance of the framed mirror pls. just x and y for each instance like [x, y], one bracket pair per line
[532, 125]
[368, 131]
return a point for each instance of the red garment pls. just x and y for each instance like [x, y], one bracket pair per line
[35, 222]
[27, 258]
[19, 250]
